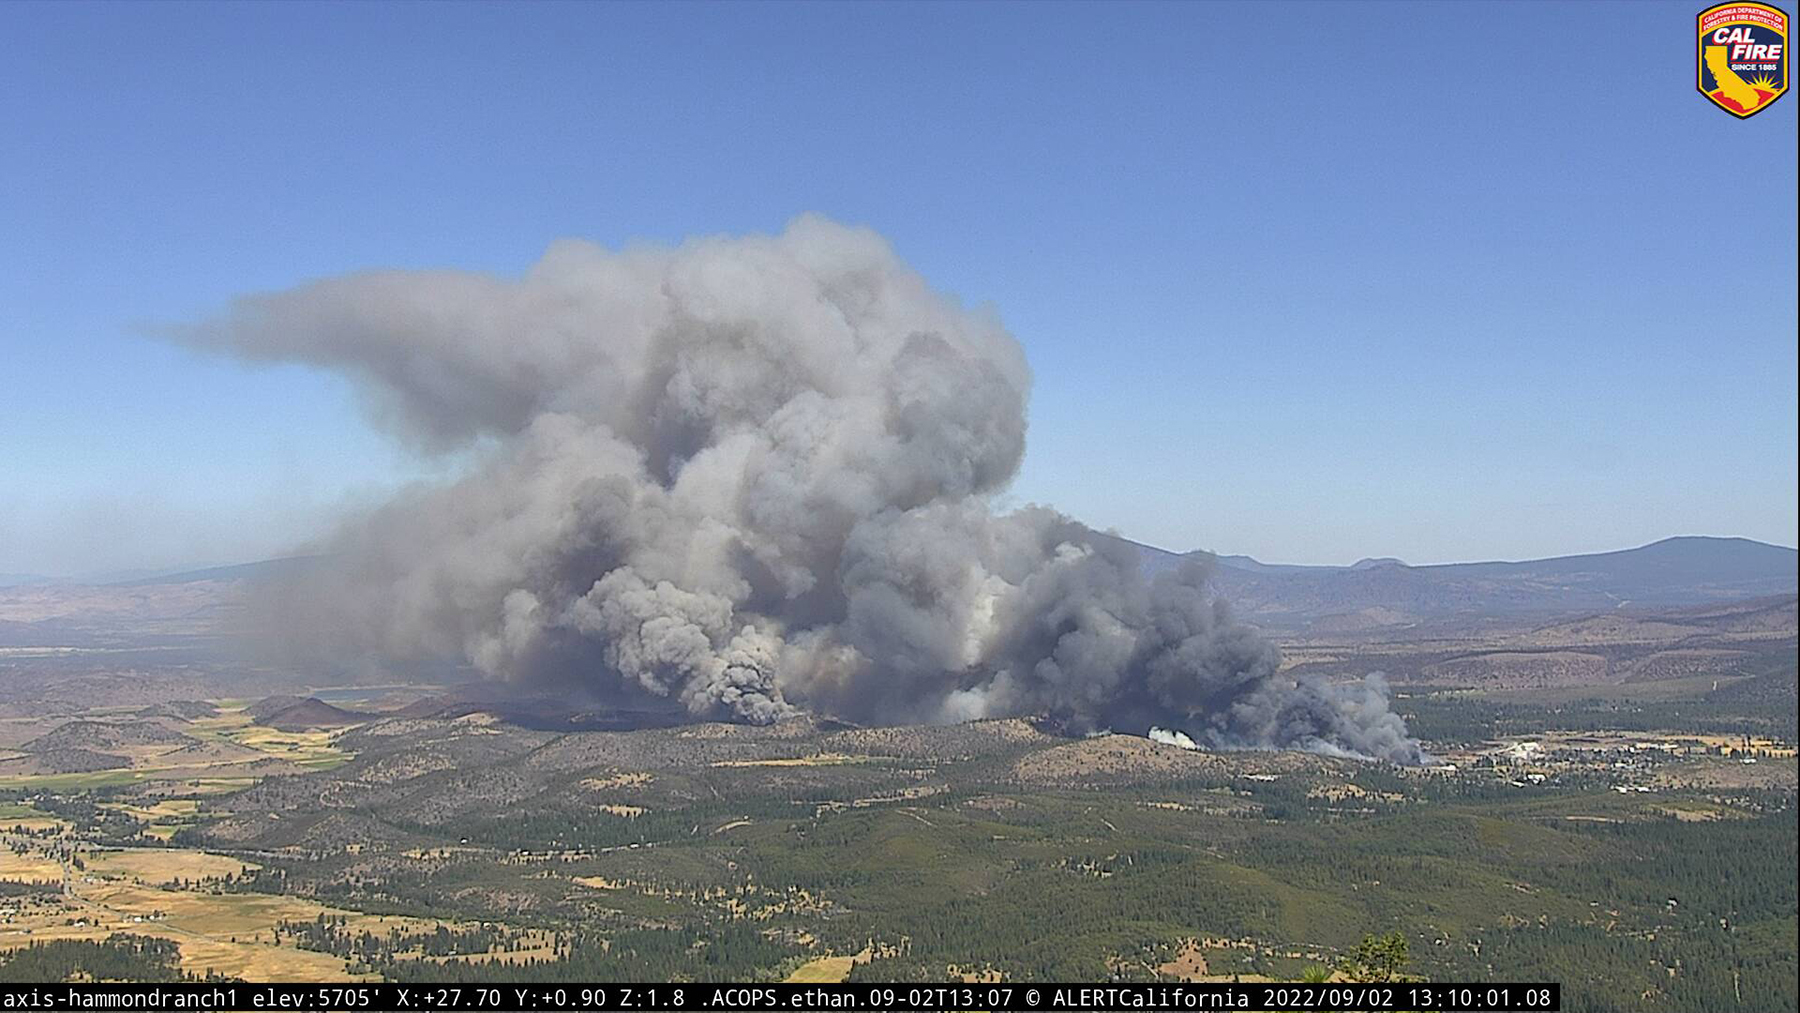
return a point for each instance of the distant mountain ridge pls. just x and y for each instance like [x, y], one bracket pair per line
[260, 570]
[1686, 570]
[1374, 593]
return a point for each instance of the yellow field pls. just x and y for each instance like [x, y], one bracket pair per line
[178, 763]
[158, 866]
[824, 969]
[164, 818]
[31, 867]
[19, 817]
[287, 745]
[34, 824]
[821, 760]
[228, 933]
[131, 890]
[126, 891]
[261, 962]
[245, 915]
[166, 809]
[249, 961]
[235, 726]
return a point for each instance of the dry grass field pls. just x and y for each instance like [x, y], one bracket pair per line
[163, 866]
[163, 818]
[163, 809]
[230, 753]
[225, 933]
[234, 725]
[134, 890]
[820, 760]
[22, 817]
[31, 867]
[825, 969]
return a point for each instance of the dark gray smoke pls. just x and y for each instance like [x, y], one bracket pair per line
[752, 476]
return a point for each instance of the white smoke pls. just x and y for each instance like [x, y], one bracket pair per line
[748, 476]
[1174, 737]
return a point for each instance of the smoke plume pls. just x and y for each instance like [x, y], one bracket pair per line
[748, 477]
[1172, 738]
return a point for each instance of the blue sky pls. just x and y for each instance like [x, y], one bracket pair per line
[1312, 282]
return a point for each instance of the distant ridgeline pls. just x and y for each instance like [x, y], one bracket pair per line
[1673, 572]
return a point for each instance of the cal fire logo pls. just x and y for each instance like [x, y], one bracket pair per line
[1743, 56]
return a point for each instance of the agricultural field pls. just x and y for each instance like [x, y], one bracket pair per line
[311, 749]
[29, 866]
[63, 889]
[1646, 825]
[17, 817]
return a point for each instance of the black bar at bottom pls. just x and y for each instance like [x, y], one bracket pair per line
[428, 998]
